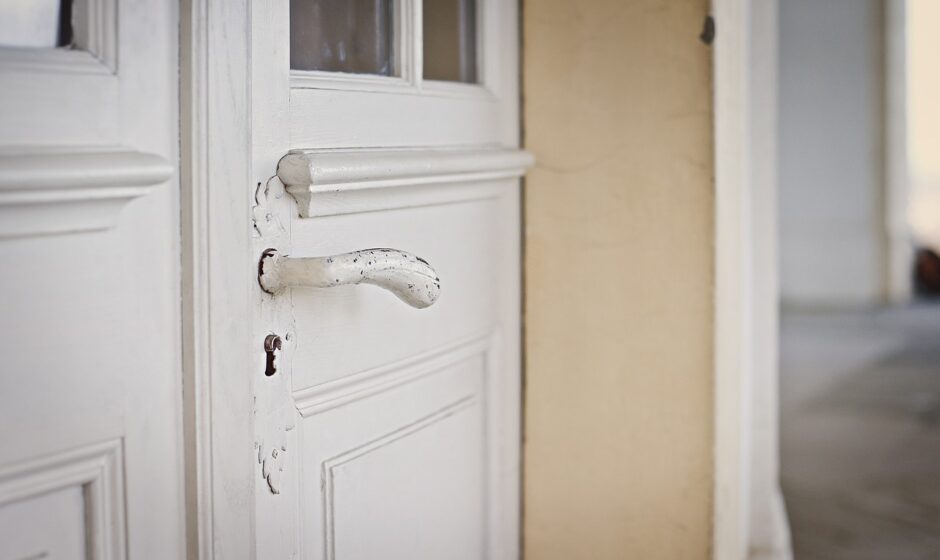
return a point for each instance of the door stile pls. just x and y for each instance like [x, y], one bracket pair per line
[217, 277]
[277, 475]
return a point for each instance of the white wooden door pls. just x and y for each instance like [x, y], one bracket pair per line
[90, 435]
[382, 430]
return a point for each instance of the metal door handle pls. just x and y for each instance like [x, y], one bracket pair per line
[407, 276]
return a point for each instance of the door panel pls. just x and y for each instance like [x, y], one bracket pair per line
[396, 463]
[367, 492]
[66, 505]
[47, 526]
[90, 389]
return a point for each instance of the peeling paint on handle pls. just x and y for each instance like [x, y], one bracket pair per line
[407, 276]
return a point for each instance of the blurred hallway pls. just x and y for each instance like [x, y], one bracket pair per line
[860, 433]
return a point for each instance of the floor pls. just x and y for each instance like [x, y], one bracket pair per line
[860, 433]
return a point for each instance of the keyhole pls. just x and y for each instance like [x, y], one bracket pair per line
[272, 343]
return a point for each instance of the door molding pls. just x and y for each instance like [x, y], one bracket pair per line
[332, 394]
[98, 469]
[332, 465]
[217, 282]
[331, 182]
[46, 191]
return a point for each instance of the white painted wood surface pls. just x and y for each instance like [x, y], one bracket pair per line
[768, 527]
[750, 520]
[91, 455]
[218, 277]
[733, 296]
[386, 431]
[61, 191]
[330, 182]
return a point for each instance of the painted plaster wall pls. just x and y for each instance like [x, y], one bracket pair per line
[924, 121]
[619, 280]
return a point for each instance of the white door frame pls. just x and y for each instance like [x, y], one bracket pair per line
[750, 520]
[215, 158]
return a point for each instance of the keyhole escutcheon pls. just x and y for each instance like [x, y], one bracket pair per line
[272, 343]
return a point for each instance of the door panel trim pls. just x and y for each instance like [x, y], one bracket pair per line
[326, 396]
[98, 469]
[331, 465]
[53, 191]
[331, 182]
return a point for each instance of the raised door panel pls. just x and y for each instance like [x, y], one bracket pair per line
[394, 465]
[414, 493]
[68, 505]
[46, 526]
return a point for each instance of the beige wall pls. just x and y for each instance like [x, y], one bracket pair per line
[619, 280]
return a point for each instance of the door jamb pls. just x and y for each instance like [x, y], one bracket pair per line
[749, 515]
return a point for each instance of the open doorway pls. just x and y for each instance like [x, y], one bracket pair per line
[859, 233]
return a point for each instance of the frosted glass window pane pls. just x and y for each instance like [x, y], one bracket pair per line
[450, 40]
[355, 36]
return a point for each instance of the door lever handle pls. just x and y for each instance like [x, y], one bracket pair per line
[407, 276]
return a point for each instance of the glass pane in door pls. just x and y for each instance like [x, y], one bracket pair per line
[450, 40]
[355, 36]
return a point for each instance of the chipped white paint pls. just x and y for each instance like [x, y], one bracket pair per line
[275, 415]
[272, 461]
[266, 222]
[407, 276]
